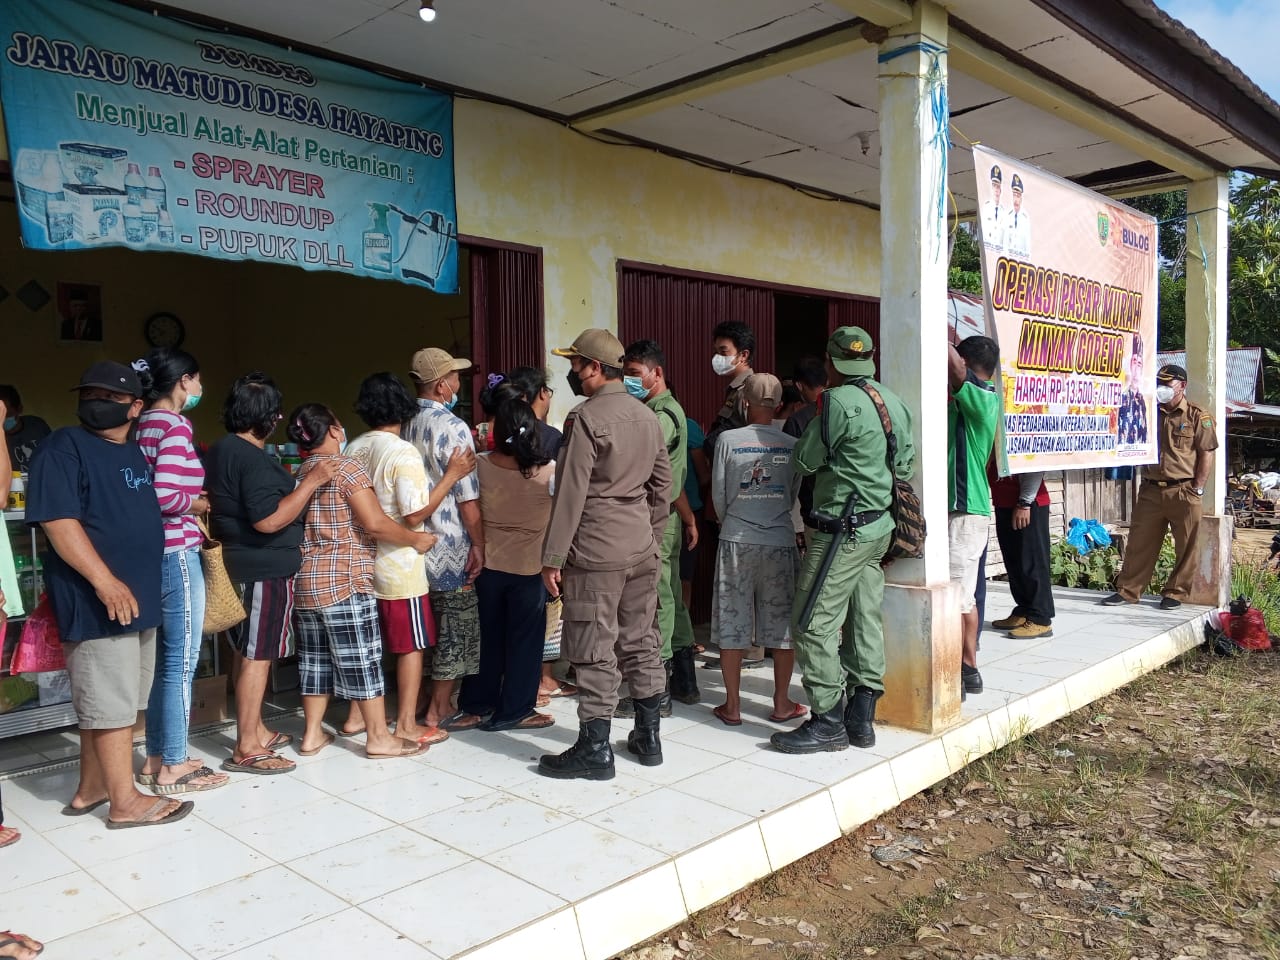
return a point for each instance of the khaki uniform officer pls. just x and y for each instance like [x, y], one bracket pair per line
[612, 500]
[836, 626]
[1170, 494]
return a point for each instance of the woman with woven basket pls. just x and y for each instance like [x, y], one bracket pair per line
[171, 383]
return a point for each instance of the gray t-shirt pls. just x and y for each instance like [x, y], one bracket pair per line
[754, 486]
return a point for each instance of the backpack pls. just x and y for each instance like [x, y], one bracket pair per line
[908, 516]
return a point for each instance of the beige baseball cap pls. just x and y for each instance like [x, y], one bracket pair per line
[762, 390]
[595, 344]
[432, 363]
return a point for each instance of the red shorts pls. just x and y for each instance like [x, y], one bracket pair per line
[407, 625]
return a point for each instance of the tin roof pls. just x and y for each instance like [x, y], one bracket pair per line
[1244, 370]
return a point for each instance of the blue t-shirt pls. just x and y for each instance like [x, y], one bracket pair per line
[696, 439]
[77, 475]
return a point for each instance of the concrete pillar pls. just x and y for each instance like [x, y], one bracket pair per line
[1206, 341]
[921, 615]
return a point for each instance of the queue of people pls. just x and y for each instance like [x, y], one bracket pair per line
[476, 573]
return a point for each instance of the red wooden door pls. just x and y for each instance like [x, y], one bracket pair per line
[506, 309]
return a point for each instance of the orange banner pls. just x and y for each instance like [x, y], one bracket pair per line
[1070, 279]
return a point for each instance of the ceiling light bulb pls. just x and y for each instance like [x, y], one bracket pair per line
[427, 11]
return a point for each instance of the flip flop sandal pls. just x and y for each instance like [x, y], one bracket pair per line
[184, 784]
[535, 721]
[328, 741]
[348, 733]
[279, 740]
[148, 779]
[461, 721]
[179, 812]
[12, 840]
[70, 811]
[795, 714]
[250, 765]
[560, 690]
[724, 718]
[433, 735]
[410, 749]
[544, 700]
[21, 940]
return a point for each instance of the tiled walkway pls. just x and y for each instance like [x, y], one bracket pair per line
[467, 851]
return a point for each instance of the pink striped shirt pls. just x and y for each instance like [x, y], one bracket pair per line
[166, 441]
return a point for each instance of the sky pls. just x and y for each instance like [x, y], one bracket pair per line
[1244, 31]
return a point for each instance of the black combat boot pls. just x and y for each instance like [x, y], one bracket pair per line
[859, 716]
[664, 705]
[625, 709]
[643, 740]
[684, 677]
[822, 731]
[591, 758]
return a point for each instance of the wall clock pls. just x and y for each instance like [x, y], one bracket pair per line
[164, 330]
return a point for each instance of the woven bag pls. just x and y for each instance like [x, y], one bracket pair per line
[223, 608]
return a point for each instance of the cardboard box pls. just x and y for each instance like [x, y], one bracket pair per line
[209, 701]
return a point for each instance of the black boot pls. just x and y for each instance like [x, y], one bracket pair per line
[684, 677]
[664, 705]
[643, 740]
[859, 716]
[822, 731]
[625, 709]
[591, 758]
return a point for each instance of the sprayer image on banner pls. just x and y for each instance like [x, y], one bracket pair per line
[414, 246]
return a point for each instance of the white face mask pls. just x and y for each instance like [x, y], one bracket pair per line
[1164, 394]
[722, 364]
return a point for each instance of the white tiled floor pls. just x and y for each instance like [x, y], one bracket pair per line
[467, 851]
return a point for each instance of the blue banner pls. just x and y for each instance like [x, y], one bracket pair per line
[136, 130]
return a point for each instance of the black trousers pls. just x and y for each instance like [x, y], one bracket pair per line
[1026, 560]
[513, 623]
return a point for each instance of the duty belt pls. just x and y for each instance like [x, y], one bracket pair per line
[1169, 483]
[825, 524]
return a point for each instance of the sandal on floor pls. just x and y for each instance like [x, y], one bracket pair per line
[70, 811]
[563, 689]
[251, 765]
[795, 714]
[349, 733]
[408, 749]
[8, 939]
[327, 741]
[147, 779]
[14, 836]
[184, 784]
[461, 721]
[723, 717]
[279, 740]
[150, 818]
[544, 700]
[433, 735]
[536, 721]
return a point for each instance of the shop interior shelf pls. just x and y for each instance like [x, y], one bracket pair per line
[34, 719]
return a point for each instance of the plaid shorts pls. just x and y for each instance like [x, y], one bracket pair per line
[267, 632]
[340, 649]
[457, 650]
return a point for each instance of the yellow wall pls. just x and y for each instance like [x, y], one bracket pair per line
[317, 334]
[589, 204]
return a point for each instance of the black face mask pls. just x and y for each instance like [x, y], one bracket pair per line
[103, 414]
[575, 382]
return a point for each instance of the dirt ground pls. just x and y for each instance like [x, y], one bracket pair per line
[1144, 827]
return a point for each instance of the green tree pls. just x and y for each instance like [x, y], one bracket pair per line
[966, 261]
[1170, 211]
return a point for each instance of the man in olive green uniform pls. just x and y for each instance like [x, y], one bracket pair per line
[601, 552]
[1170, 494]
[644, 376]
[837, 633]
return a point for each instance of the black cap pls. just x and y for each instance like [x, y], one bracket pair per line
[1171, 371]
[1016, 183]
[112, 376]
[996, 175]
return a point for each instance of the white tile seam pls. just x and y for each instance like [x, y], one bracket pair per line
[571, 908]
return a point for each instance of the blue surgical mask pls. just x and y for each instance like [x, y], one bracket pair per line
[193, 401]
[10, 424]
[635, 386]
[453, 402]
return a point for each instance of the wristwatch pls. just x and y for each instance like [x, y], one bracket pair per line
[1026, 503]
[1198, 491]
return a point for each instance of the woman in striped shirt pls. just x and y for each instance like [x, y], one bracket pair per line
[171, 379]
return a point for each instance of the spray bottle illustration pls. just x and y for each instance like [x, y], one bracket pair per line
[377, 245]
[424, 244]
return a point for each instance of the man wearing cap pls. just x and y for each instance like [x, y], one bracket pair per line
[994, 216]
[455, 561]
[1017, 227]
[1132, 420]
[1170, 495]
[754, 487]
[836, 625]
[601, 553]
[91, 491]
[644, 376]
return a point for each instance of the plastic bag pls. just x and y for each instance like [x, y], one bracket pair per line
[40, 646]
[1086, 535]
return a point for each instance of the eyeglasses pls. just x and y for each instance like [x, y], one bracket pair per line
[550, 391]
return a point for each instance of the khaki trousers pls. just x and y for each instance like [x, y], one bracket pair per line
[611, 635]
[1157, 510]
